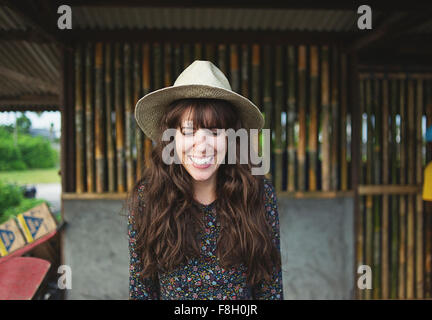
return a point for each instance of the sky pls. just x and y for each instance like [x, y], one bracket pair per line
[38, 122]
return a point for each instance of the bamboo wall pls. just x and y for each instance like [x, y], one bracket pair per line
[301, 91]
[394, 234]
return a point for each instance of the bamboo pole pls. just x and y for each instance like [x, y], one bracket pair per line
[343, 135]
[360, 241]
[428, 205]
[146, 89]
[130, 175]
[255, 84]
[411, 175]
[301, 150]
[376, 199]
[245, 71]
[402, 281]
[108, 112]
[99, 121]
[325, 123]
[118, 81]
[167, 65]
[234, 68]
[278, 116]
[139, 136]
[222, 57]
[369, 201]
[177, 60]
[291, 114]
[313, 125]
[267, 99]
[210, 52]
[198, 54]
[419, 201]
[394, 203]
[89, 137]
[79, 142]
[385, 198]
[335, 150]
[187, 55]
[157, 67]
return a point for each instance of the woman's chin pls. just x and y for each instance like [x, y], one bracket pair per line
[201, 174]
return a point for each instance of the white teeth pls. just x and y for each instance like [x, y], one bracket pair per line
[201, 161]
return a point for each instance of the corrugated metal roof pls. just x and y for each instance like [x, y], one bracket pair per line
[39, 61]
[109, 18]
[9, 20]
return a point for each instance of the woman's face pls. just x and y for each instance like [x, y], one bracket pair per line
[201, 151]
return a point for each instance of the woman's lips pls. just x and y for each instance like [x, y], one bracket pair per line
[201, 162]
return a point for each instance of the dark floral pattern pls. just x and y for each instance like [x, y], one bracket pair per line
[203, 278]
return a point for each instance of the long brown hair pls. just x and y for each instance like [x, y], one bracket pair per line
[168, 221]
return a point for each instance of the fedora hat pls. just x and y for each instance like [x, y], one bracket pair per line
[201, 79]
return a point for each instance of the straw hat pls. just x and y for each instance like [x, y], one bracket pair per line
[201, 79]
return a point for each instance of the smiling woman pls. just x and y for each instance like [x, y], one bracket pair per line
[202, 228]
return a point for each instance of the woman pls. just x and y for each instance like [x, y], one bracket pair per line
[201, 227]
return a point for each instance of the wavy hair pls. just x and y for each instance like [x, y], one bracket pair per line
[167, 218]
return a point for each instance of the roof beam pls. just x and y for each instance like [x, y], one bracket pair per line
[210, 36]
[28, 80]
[384, 5]
[30, 103]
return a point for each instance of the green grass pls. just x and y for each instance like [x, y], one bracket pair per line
[31, 176]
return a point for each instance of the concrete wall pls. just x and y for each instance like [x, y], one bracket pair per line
[317, 243]
[96, 249]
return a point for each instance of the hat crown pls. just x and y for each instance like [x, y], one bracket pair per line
[201, 72]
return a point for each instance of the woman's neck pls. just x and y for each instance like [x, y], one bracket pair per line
[205, 191]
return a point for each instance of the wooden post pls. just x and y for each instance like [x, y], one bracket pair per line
[79, 147]
[313, 126]
[118, 84]
[325, 124]
[302, 117]
[99, 121]
[291, 115]
[89, 137]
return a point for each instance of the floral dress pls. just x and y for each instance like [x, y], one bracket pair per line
[203, 278]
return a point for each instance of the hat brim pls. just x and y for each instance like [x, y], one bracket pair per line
[150, 108]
